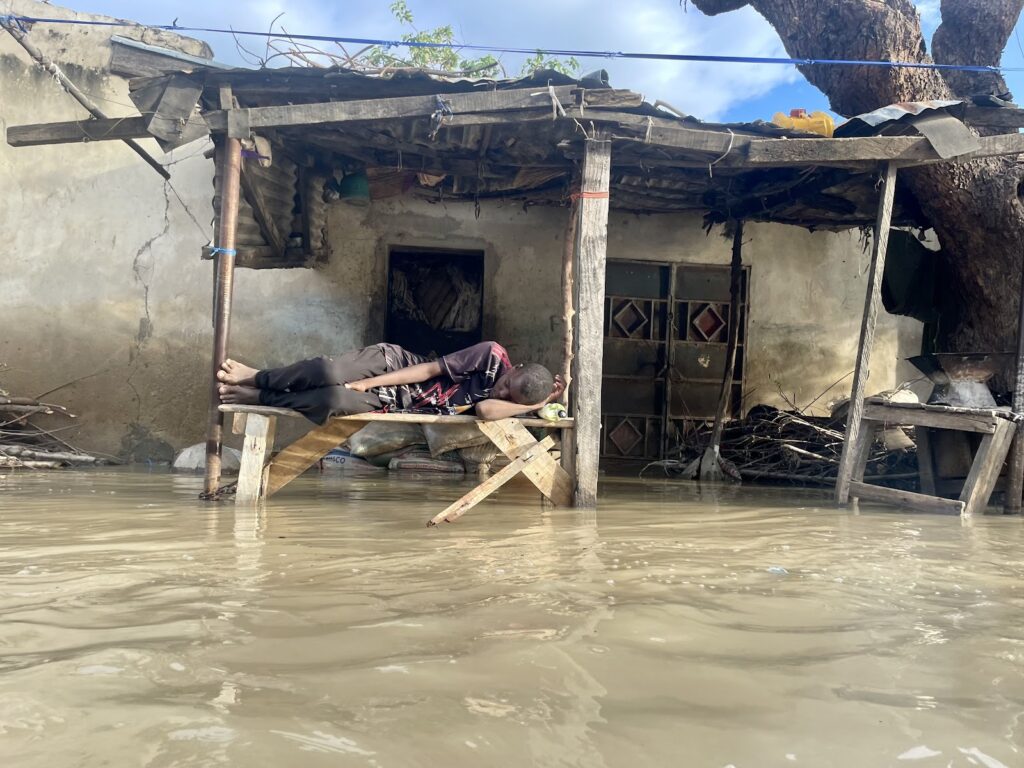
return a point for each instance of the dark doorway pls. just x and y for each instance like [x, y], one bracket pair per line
[435, 300]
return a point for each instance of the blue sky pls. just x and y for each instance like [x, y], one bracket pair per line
[722, 92]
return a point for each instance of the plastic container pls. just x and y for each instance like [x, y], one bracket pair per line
[820, 123]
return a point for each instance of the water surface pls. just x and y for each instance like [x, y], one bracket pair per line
[742, 627]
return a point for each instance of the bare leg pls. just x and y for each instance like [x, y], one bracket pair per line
[233, 372]
[238, 395]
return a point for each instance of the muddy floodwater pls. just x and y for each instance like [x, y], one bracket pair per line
[734, 627]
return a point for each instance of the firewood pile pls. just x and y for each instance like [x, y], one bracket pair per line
[772, 445]
[26, 445]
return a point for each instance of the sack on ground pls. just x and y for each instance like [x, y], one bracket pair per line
[380, 437]
[478, 457]
[410, 462]
[443, 438]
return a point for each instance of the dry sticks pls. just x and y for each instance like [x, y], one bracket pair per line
[785, 446]
[25, 445]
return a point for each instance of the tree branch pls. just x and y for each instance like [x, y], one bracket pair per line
[975, 32]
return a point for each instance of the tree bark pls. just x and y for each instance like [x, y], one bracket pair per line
[974, 208]
[975, 32]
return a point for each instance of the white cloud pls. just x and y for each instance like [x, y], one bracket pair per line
[930, 13]
[705, 90]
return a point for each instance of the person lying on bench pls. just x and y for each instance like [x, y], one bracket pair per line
[387, 377]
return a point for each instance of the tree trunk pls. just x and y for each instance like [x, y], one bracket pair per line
[974, 208]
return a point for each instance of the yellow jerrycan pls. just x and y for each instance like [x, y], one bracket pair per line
[798, 120]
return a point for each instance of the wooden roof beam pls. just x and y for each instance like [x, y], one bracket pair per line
[400, 107]
[76, 131]
[536, 98]
[904, 151]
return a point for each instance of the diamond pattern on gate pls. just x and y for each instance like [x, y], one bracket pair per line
[625, 437]
[629, 318]
[707, 322]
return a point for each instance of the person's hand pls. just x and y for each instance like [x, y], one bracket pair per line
[556, 390]
[358, 386]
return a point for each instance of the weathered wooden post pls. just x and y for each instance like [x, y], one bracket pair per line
[229, 166]
[1015, 470]
[592, 237]
[710, 464]
[872, 302]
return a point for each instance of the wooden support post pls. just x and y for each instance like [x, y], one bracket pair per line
[985, 468]
[862, 449]
[709, 465]
[1015, 470]
[926, 461]
[872, 301]
[592, 253]
[229, 158]
[259, 442]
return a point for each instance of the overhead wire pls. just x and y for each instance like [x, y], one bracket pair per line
[635, 55]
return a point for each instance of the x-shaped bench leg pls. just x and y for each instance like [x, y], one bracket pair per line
[527, 456]
[307, 451]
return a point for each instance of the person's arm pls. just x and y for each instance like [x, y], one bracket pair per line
[413, 374]
[492, 409]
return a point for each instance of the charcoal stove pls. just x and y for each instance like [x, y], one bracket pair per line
[962, 379]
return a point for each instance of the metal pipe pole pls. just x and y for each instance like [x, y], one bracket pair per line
[1015, 472]
[229, 163]
[568, 291]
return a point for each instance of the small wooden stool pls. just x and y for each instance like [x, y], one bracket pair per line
[259, 479]
[996, 426]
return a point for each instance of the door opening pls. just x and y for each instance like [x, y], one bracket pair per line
[435, 300]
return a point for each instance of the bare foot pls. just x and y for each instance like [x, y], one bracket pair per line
[238, 395]
[233, 372]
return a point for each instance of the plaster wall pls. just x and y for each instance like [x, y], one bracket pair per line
[104, 298]
[806, 291]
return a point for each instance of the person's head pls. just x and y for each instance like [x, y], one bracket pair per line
[525, 384]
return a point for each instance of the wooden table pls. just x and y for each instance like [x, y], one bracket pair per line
[997, 427]
[259, 478]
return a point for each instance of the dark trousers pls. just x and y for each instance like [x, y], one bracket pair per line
[316, 388]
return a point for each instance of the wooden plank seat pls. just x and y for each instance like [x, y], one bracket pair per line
[259, 478]
[996, 425]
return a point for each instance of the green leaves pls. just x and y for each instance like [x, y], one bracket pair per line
[446, 57]
[569, 66]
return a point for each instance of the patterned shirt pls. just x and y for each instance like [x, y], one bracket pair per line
[469, 376]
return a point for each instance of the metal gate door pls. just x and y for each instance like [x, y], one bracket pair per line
[665, 333]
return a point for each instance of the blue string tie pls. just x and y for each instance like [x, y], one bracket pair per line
[225, 251]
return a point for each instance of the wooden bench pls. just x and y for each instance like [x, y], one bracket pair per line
[259, 478]
[997, 427]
